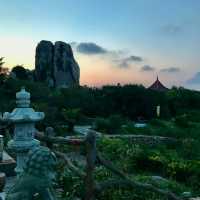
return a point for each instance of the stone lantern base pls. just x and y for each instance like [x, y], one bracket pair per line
[21, 148]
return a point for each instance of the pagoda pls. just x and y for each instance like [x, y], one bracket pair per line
[158, 86]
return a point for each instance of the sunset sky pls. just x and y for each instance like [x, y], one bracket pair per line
[114, 41]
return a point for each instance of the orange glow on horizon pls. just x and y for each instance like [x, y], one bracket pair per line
[94, 70]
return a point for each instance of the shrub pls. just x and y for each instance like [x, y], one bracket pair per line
[20, 72]
[193, 116]
[158, 122]
[71, 116]
[101, 124]
[110, 125]
[182, 121]
[115, 123]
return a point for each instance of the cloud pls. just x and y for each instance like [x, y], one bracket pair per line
[126, 62]
[171, 70]
[90, 48]
[147, 68]
[171, 29]
[195, 79]
[118, 58]
[133, 59]
[122, 64]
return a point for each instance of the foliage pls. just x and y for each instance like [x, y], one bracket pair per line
[115, 108]
[71, 116]
[72, 185]
[1, 61]
[101, 124]
[3, 71]
[20, 72]
[158, 123]
[161, 166]
[111, 125]
[129, 101]
[159, 161]
[182, 121]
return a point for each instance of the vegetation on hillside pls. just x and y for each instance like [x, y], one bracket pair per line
[114, 110]
[129, 101]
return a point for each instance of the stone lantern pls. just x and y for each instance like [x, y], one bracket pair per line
[23, 117]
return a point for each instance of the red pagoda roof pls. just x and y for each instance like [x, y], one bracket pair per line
[158, 86]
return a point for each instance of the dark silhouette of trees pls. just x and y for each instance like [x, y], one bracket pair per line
[20, 72]
[3, 71]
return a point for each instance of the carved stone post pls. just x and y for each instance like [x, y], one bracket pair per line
[24, 119]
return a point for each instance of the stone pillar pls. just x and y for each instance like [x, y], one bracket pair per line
[24, 118]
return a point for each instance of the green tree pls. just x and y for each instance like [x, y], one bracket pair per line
[1, 61]
[20, 72]
[3, 71]
[71, 116]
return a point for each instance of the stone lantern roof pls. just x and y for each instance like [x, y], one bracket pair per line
[23, 113]
[23, 98]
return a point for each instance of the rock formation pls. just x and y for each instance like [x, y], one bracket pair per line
[44, 62]
[66, 70]
[55, 64]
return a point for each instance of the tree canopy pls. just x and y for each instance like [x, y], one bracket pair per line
[20, 72]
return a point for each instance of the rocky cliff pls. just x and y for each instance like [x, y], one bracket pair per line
[55, 64]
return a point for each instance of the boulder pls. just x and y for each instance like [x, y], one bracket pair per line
[66, 70]
[44, 60]
[55, 64]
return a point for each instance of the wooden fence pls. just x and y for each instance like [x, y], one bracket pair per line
[92, 188]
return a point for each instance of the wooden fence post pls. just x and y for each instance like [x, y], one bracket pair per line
[90, 166]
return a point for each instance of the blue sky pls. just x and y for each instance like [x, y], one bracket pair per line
[165, 34]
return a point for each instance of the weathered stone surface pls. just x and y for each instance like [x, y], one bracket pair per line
[55, 64]
[38, 176]
[44, 61]
[24, 119]
[66, 69]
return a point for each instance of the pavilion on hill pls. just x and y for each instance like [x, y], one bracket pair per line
[158, 86]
